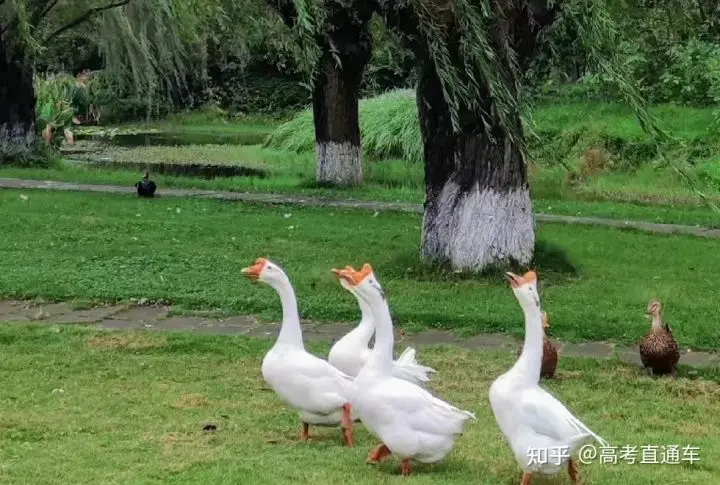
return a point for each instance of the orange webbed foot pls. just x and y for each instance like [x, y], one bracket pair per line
[406, 467]
[378, 454]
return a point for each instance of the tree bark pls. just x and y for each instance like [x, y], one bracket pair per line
[477, 200]
[337, 127]
[478, 212]
[346, 39]
[17, 105]
[336, 93]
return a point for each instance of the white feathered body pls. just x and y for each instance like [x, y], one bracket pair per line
[312, 386]
[533, 419]
[409, 420]
[350, 353]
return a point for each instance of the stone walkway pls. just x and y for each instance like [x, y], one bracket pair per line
[257, 197]
[158, 318]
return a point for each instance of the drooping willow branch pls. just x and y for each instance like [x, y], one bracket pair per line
[41, 13]
[598, 32]
[83, 18]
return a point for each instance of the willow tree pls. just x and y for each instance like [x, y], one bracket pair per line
[142, 38]
[338, 44]
[472, 55]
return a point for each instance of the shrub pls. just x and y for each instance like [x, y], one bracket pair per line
[693, 74]
[58, 103]
[684, 73]
[389, 128]
[257, 89]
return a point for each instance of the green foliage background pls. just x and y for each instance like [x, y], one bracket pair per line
[169, 55]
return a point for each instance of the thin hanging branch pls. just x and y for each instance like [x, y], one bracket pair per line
[41, 13]
[83, 18]
[597, 30]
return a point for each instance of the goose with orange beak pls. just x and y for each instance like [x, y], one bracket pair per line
[410, 422]
[317, 390]
[350, 353]
[529, 416]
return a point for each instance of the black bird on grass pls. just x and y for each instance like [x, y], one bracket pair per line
[146, 187]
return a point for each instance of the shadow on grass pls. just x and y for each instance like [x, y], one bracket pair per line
[551, 262]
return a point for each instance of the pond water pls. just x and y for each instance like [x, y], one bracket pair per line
[93, 152]
[199, 170]
[129, 140]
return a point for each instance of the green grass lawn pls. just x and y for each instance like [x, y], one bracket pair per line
[87, 407]
[650, 195]
[596, 281]
[634, 186]
[618, 120]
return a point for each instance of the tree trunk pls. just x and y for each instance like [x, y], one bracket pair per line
[477, 200]
[478, 212]
[337, 127]
[337, 89]
[347, 39]
[17, 106]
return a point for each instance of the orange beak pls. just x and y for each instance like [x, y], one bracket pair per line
[253, 272]
[517, 281]
[352, 277]
[345, 274]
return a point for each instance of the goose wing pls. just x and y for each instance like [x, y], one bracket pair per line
[421, 410]
[549, 417]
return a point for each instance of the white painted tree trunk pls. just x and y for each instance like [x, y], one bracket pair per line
[16, 140]
[339, 163]
[479, 228]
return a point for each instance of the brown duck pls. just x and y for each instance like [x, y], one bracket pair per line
[550, 355]
[659, 351]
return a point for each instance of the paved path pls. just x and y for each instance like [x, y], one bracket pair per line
[258, 197]
[132, 317]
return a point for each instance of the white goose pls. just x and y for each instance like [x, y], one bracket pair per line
[409, 421]
[316, 389]
[350, 353]
[543, 434]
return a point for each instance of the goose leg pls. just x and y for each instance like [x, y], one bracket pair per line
[526, 478]
[406, 467]
[378, 454]
[573, 471]
[347, 425]
[305, 435]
